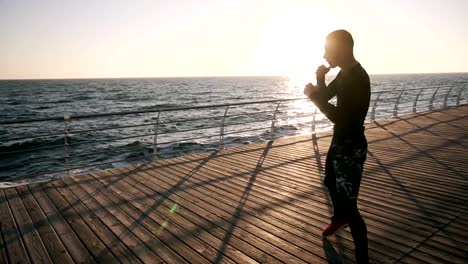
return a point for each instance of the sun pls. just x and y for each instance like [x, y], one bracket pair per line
[291, 45]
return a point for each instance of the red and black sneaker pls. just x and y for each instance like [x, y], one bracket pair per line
[336, 224]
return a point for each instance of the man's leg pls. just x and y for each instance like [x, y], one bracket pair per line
[338, 219]
[348, 167]
[358, 231]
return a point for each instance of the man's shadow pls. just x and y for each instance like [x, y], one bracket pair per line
[332, 256]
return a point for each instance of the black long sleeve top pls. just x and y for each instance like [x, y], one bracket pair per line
[353, 97]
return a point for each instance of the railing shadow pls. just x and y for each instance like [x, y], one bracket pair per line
[56, 185]
[159, 198]
[210, 225]
[241, 204]
[425, 153]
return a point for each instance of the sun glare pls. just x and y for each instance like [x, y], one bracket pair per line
[291, 45]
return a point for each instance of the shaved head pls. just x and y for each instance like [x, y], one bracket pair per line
[339, 48]
[341, 38]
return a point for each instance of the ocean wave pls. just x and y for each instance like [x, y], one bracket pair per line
[160, 106]
[83, 97]
[63, 101]
[43, 107]
[44, 142]
[118, 96]
[15, 103]
[32, 144]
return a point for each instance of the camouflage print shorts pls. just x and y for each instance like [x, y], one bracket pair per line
[344, 166]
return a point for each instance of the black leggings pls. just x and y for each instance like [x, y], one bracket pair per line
[343, 173]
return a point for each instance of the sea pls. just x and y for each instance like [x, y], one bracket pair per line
[93, 140]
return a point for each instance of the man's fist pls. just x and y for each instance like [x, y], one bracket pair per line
[311, 91]
[322, 70]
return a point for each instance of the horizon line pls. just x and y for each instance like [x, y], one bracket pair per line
[206, 76]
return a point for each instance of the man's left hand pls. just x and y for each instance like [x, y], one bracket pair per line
[311, 91]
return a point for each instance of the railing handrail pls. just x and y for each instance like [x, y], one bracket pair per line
[69, 156]
[81, 116]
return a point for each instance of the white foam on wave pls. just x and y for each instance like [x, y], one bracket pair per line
[120, 164]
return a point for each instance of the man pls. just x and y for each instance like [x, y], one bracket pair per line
[348, 149]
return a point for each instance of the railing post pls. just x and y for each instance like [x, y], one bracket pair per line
[66, 118]
[221, 131]
[431, 107]
[374, 106]
[447, 96]
[416, 100]
[395, 108]
[313, 121]
[155, 138]
[459, 95]
[273, 121]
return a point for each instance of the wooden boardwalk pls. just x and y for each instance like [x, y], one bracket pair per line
[258, 203]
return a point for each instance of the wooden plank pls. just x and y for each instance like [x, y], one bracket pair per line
[396, 156]
[142, 243]
[15, 248]
[212, 201]
[370, 187]
[228, 213]
[155, 225]
[49, 237]
[283, 213]
[31, 239]
[89, 211]
[95, 246]
[203, 218]
[72, 243]
[311, 170]
[225, 165]
[374, 172]
[180, 220]
[284, 168]
[153, 207]
[3, 253]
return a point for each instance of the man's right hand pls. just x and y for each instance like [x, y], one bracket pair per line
[322, 70]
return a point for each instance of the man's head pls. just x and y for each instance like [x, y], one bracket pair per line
[338, 48]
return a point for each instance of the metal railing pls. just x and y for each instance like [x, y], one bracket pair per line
[98, 141]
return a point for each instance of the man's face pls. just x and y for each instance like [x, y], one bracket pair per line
[331, 54]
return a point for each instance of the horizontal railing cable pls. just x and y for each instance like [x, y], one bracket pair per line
[239, 118]
[83, 116]
[185, 139]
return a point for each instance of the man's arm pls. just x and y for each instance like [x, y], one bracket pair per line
[356, 101]
[321, 93]
[321, 101]
[354, 104]
[325, 93]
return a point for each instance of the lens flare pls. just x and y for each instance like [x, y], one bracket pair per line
[173, 209]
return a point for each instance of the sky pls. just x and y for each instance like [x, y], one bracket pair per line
[42, 39]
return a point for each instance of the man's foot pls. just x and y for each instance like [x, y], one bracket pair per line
[336, 224]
